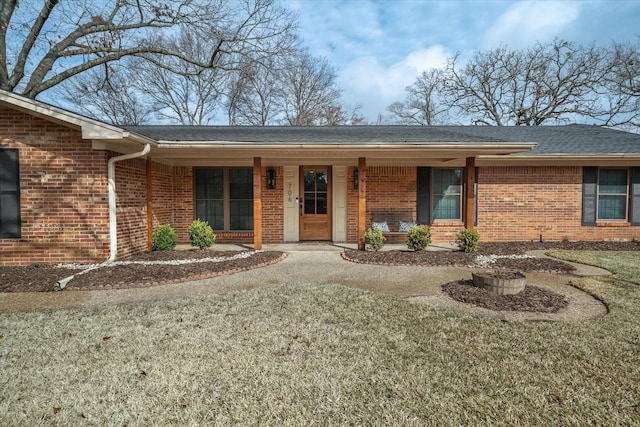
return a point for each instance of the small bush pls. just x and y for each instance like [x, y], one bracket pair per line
[468, 239]
[374, 238]
[201, 234]
[164, 238]
[418, 238]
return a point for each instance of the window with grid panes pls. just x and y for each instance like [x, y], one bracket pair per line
[224, 198]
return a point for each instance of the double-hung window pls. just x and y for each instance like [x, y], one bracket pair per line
[10, 225]
[610, 195]
[446, 195]
[613, 194]
[439, 194]
[224, 198]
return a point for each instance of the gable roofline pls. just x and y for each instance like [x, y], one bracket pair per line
[89, 128]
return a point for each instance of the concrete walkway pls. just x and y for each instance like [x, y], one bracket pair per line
[313, 264]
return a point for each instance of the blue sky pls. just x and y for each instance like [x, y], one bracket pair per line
[380, 47]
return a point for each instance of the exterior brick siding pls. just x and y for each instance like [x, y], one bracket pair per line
[63, 193]
[273, 208]
[523, 203]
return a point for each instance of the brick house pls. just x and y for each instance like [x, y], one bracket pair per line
[73, 189]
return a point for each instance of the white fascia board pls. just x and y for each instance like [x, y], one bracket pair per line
[506, 148]
[90, 128]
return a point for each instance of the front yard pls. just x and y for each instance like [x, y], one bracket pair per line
[297, 354]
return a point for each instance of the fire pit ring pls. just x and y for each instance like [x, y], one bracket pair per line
[500, 282]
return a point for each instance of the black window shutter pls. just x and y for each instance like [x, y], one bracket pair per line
[9, 193]
[424, 196]
[635, 196]
[589, 195]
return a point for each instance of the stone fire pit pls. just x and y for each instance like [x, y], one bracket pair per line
[500, 282]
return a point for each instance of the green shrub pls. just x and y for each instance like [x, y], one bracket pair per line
[201, 234]
[164, 238]
[418, 238]
[468, 239]
[374, 238]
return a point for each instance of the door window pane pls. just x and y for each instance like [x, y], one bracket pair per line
[316, 184]
[309, 203]
[321, 181]
[321, 203]
[309, 181]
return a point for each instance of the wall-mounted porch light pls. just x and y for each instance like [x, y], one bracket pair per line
[355, 179]
[271, 179]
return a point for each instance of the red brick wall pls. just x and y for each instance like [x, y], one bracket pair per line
[352, 208]
[389, 189]
[521, 203]
[273, 208]
[182, 202]
[63, 186]
[162, 194]
[131, 206]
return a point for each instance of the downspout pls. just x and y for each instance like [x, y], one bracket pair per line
[111, 174]
[113, 229]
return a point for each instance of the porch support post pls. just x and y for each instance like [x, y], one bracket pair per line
[470, 205]
[149, 204]
[362, 201]
[257, 203]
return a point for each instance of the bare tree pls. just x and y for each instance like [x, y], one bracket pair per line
[422, 105]
[551, 82]
[337, 115]
[40, 48]
[254, 94]
[181, 92]
[106, 93]
[619, 94]
[309, 88]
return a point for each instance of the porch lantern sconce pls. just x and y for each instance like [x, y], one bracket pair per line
[355, 179]
[271, 179]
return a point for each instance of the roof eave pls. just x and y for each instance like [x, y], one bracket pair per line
[90, 128]
[486, 148]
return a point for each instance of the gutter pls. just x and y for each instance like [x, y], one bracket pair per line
[111, 173]
[113, 228]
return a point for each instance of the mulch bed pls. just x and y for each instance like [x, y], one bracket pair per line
[461, 259]
[531, 299]
[454, 259]
[40, 278]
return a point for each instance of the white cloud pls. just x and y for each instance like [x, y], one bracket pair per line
[526, 22]
[366, 81]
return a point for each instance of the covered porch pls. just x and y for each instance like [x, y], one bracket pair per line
[320, 184]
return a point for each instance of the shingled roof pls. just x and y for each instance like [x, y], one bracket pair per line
[556, 140]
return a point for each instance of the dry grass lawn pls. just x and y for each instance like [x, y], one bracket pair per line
[320, 355]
